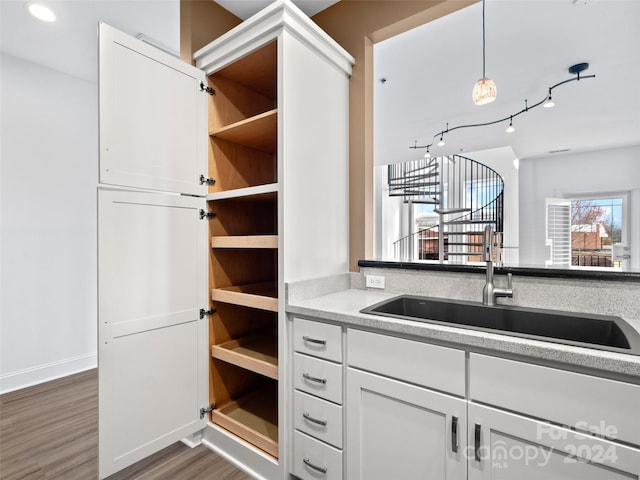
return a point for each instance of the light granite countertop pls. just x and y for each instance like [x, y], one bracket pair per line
[343, 306]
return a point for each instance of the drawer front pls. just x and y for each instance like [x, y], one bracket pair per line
[606, 406]
[318, 377]
[313, 460]
[318, 418]
[431, 366]
[317, 339]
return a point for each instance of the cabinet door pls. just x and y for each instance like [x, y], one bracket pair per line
[398, 430]
[153, 117]
[506, 446]
[152, 350]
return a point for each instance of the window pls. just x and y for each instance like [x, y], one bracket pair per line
[582, 231]
[596, 225]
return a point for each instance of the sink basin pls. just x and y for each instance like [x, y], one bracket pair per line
[593, 331]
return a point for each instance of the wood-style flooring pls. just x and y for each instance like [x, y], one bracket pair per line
[50, 431]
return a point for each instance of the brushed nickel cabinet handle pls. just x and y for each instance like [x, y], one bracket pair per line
[308, 463]
[314, 340]
[306, 376]
[308, 417]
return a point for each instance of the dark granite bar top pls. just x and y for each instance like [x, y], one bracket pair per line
[531, 271]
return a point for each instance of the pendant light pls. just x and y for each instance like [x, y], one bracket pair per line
[484, 91]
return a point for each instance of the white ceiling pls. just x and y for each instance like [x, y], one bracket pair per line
[70, 44]
[431, 70]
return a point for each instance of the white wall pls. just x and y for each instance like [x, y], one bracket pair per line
[605, 171]
[48, 178]
[501, 160]
[390, 216]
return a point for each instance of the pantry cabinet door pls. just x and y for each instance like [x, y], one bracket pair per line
[399, 430]
[152, 351]
[153, 117]
[507, 446]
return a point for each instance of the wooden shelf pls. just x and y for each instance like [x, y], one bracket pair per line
[253, 418]
[258, 193]
[262, 296]
[258, 132]
[245, 241]
[258, 353]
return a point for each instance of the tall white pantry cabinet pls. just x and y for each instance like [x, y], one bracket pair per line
[218, 184]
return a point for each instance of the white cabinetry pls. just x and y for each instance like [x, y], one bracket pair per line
[202, 221]
[397, 429]
[588, 424]
[508, 446]
[317, 400]
[416, 410]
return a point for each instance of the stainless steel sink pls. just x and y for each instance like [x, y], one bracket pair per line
[593, 331]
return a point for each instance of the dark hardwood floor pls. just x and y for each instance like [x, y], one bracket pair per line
[50, 431]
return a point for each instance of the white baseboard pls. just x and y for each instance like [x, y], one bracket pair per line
[44, 373]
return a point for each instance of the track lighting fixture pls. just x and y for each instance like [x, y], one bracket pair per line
[546, 102]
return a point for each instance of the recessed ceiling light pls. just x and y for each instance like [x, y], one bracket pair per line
[41, 12]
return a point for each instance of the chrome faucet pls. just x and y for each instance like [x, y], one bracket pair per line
[490, 293]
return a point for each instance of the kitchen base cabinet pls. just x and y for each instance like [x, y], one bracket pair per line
[399, 430]
[413, 410]
[506, 446]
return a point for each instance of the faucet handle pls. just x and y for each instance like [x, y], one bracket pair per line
[510, 281]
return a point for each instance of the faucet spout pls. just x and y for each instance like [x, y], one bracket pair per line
[490, 293]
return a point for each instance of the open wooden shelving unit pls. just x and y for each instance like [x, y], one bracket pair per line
[243, 266]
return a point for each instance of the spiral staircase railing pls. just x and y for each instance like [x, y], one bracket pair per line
[466, 194]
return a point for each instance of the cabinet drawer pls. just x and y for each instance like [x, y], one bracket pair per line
[431, 366]
[568, 398]
[313, 460]
[318, 377]
[318, 418]
[317, 339]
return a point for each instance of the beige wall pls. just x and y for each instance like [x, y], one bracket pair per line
[356, 25]
[202, 21]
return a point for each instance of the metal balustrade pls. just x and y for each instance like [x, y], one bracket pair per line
[466, 194]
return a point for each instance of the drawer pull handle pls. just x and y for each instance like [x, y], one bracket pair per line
[308, 463]
[314, 420]
[306, 376]
[314, 340]
[476, 446]
[454, 434]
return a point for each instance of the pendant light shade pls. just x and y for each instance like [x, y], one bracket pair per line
[484, 91]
